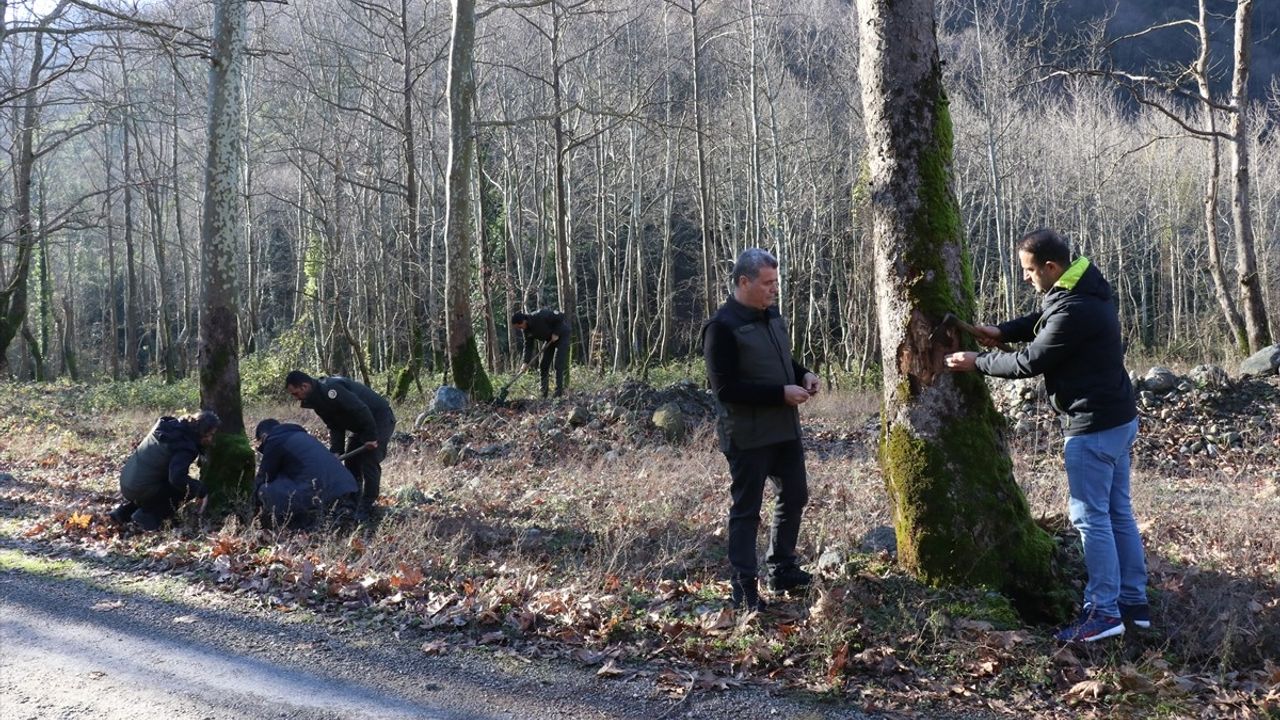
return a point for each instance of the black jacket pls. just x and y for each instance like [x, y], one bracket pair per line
[749, 362]
[162, 459]
[1075, 343]
[346, 405]
[541, 326]
[297, 473]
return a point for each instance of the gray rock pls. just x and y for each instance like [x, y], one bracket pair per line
[448, 399]
[670, 420]
[1233, 439]
[1264, 362]
[6, 478]
[1185, 387]
[451, 451]
[615, 413]
[881, 538]
[1159, 380]
[1209, 377]
[578, 416]
[832, 560]
[490, 450]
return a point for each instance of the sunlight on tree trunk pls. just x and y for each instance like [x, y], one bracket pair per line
[230, 465]
[959, 516]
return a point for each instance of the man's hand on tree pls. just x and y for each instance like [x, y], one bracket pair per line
[961, 361]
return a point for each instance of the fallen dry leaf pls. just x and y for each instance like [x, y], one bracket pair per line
[108, 605]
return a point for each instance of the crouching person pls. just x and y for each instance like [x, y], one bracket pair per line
[155, 480]
[299, 482]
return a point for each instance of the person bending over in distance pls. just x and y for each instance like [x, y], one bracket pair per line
[552, 328]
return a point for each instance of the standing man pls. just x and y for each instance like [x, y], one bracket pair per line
[1075, 343]
[348, 406]
[758, 385]
[553, 329]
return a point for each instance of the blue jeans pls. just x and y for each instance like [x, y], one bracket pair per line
[1100, 508]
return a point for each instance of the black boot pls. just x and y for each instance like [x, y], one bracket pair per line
[789, 577]
[122, 514]
[746, 593]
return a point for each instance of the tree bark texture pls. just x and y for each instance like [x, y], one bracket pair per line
[464, 357]
[230, 465]
[1251, 295]
[959, 515]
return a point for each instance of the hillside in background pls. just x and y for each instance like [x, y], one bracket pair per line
[1177, 45]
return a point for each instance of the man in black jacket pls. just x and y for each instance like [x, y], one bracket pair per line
[1075, 343]
[299, 482]
[758, 385]
[553, 329]
[154, 481]
[347, 406]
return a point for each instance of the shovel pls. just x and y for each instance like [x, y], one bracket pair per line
[501, 397]
[353, 453]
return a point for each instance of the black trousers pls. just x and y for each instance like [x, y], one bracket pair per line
[783, 463]
[151, 510]
[561, 353]
[366, 467]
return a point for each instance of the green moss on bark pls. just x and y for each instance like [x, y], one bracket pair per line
[469, 374]
[228, 473]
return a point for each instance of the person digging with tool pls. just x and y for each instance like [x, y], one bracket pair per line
[154, 482]
[346, 406]
[299, 483]
[553, 329]
[1074, 341]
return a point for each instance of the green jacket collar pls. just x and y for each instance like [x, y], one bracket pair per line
[1072, 275]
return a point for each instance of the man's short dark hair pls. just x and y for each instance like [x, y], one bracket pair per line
[1044, 245]
[265, 427]
[295, 378]
[519, 317]
[205, 421]
[750, 263]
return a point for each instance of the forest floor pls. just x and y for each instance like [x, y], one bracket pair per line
[574, 535]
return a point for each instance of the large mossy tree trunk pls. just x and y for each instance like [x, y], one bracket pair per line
[959, 515]
[230, 467]
[464, 359]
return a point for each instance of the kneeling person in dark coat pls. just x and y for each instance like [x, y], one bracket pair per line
[299, 482]
[154, 481]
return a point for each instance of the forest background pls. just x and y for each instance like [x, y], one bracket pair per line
[602, 156]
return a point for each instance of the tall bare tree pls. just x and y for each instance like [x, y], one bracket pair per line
[959, 515]
[464, 357]
[231, 459]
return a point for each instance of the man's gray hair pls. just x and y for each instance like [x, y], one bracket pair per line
[750, 262]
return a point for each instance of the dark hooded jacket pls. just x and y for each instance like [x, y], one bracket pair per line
[298, 475]
[1075, 343]
[160, 464]
[541, 326]
[346, 405]
[749, 363]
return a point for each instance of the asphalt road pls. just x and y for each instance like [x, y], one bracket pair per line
[93, 645]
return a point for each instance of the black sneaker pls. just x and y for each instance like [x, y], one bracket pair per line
[746, 593]
[790, 577]
[1137, 615]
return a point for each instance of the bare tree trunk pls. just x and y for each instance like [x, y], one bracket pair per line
[1251, 296]
[13, 295]
[231, 459]
[1221, 291]
[464, 357]
[959, 515]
